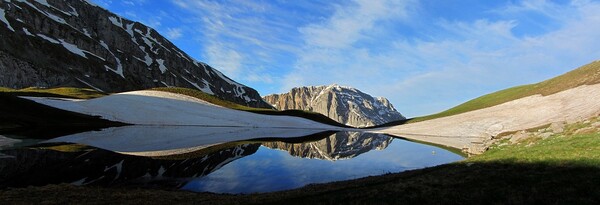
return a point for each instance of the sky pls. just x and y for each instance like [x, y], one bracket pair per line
[425, 56]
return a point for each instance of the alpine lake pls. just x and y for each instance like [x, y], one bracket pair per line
[209, 159]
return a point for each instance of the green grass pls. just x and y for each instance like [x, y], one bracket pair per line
[221, 102]
[63, 92]
[586, 75]
[561, 150]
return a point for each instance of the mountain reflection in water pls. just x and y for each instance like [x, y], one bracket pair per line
[341, 145]
[257, 164]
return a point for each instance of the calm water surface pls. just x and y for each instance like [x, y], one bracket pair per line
[266, 161]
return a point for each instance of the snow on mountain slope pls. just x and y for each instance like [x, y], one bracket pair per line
[346, 105]
[163, 108]
[58, 43]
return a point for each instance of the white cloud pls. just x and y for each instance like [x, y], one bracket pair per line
[226, 60]
[251, 33]
[103, 3]
[133, 2]
[422, 76]
[174, 33]
[348, 24]
[265, 78]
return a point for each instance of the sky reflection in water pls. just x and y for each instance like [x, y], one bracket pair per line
[272, 170]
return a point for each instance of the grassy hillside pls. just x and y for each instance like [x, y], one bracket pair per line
[64, 92]
[217, 101]
[586, 75]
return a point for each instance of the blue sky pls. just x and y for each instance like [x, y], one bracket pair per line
[424, 56]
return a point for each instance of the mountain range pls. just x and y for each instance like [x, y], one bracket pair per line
[343, 104]
[55, 43]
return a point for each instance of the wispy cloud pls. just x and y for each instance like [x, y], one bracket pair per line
[227, 60]
[248, 29]
[103, 3]
[351, 23]
[471, 59]
[174, 33]
[425, 56]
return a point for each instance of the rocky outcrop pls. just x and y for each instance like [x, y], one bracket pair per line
[52, 43]
[342, 145]
[343, 104]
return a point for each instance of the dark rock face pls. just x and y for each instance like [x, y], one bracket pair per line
[343, 104]
[92, 166]
[51, 43]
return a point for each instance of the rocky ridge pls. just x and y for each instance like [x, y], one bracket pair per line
[346, 105]
[54, 43]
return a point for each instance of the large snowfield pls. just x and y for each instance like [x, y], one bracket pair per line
[168, 123]
[164, 108]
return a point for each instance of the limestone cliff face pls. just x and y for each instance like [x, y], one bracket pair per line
[342, 145]
[53, 43]
[344, 104]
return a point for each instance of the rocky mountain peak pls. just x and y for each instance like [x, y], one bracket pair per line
[75, 43]
[344, 104]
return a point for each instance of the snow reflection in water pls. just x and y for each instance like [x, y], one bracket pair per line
[222, 160]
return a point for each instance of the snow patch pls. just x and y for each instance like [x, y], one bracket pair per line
[73, 11]
[161, 171]
[91, 3]
[3, 19]
[183, 55]
[115, 21]
[238, 90]
[49, 15]
[161, 65]
[129, 30]
[207, 88]
[49, 39]
[79, 182]
[118, 166]
[27, 32]
[43, 2]
[93, 54]
[148, 36]
[164, 108]
[119, 69]
[149, 43]
[73, 48]
[85, 32]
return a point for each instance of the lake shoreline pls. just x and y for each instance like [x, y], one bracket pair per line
[456, 182]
